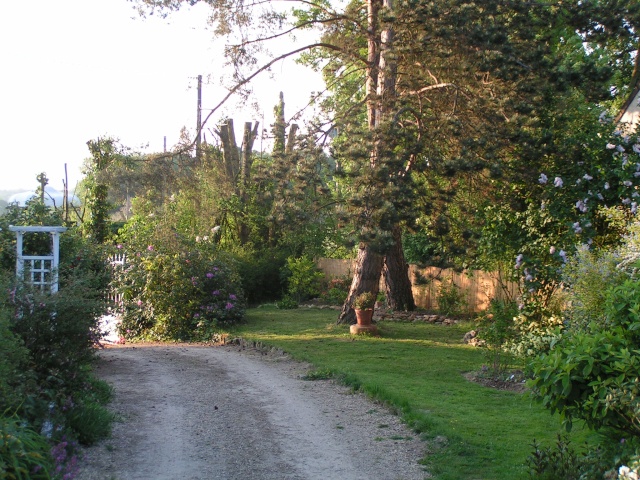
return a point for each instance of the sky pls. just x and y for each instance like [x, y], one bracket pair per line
[75, 70]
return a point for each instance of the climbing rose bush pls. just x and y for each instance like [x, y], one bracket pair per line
[177, 296]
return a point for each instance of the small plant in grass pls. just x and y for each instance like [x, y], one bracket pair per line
[560, 462]
[364, 301]
[287, 303]
[496, 329]
[451, 300]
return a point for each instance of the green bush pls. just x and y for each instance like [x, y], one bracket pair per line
[287, 303]
[496, 329]
[589, 275]
[336, 291]
[24, 454]
[14, 363]
[60, 331]
[595, 377]
[304, 279]
[450, 299]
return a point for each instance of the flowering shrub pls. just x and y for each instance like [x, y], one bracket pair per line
[178, 296]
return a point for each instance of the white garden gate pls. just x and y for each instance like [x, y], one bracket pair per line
[39, 270]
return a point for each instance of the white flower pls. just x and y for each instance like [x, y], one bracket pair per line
[577, 228]
[198, 239]
[627, 183]
[205, 238]
[215, 229]
[543, 179]
[636, 148]
[557, 182]
[582, 205]
[552, 250]
[606, 186]
[586, 176]
[563, 256]
[626, 201]
[620, 148]
[634, 207]
[610, 146]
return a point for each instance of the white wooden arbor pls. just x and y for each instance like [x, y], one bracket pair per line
[42, 270]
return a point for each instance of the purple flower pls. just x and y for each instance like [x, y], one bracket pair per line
[610, 146]
[232, 296]
[543, 179]
[557, 182]
[636, 148]
[215, 292]
[119, 246]
[139, 303]
[229, 306]
[150, 248]
[586, 176]
[209, 275]
[627, 183]
[519, 260]
[577, 228]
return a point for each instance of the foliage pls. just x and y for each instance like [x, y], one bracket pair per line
[336, 290]
[560, 462]
[14, 362]
[450, 299]
[174, 287]
[365, 301]
[588, 275]
[24, 454]
[534, 336]
[260, 273]
[287, 303]
[496, 329]
[594, 376]
[304, 279]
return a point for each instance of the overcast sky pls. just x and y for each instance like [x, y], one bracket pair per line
[74, 70]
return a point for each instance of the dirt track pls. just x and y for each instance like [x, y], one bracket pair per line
[194, 412]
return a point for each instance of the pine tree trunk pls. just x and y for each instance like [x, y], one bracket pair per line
[397, 283]
[366, 278]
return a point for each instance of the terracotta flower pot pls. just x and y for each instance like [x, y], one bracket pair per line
[363, 317]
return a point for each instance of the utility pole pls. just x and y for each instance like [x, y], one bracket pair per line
[199, 122]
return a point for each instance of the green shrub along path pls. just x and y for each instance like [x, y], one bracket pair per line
[474, 432]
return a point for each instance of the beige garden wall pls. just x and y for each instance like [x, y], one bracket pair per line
[477, 286]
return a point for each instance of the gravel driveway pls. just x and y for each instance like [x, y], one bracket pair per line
[229, 413]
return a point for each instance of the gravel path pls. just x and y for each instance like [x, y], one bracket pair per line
[229, 413]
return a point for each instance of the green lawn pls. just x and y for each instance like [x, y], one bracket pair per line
[419, 369]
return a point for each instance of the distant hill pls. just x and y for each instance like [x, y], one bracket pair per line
[5, 194]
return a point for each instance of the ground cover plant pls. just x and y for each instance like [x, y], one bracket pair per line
[475, 432]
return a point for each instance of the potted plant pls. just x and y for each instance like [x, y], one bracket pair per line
[363, 306]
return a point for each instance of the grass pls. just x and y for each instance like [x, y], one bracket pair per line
[475, 432]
